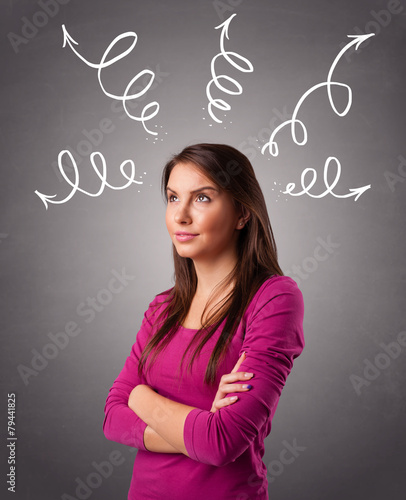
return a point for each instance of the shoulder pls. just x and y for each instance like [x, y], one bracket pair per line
[275, 316]
[276, 285]
[161, 297]
[158, 305]
[277, 291]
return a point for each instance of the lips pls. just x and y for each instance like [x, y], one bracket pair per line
[183, 236]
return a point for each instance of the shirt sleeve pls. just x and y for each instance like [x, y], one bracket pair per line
[273, 339]
[120, 423]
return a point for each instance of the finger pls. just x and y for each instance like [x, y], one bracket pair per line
[229, 388]
[229, 378]
[238, 364]
[225, 402]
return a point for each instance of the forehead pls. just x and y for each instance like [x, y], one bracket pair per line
[188, 175]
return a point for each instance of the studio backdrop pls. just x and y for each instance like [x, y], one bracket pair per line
[96, 95]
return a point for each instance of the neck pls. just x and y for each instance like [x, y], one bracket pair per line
[211, 273]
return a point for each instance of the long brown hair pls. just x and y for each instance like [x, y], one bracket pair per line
[231, 171]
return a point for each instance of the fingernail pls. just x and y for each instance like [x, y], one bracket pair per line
[247, 386]
[233, 398]
[247, 375]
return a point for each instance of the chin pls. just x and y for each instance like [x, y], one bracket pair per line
[185, 254]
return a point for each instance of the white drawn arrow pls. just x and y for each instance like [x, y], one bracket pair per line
[356, 192]
[67, 39]
[230, 57]
[101, 174]
[294, 122]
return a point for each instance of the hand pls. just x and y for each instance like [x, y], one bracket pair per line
[226, 386]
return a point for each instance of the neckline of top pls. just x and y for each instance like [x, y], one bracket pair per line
[190, 329]
[260, 288]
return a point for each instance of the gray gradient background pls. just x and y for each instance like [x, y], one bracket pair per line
[52, 260]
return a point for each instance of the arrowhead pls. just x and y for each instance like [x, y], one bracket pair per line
[226, 24]
[360, 38]
[67, 38]
[44, 198]
[359, 191]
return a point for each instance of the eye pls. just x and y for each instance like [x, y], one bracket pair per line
[170, 197]
[203, 195]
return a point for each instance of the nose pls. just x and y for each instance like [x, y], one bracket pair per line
[182, 214]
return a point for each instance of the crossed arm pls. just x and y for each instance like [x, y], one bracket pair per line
[137, 416]
[165, 418]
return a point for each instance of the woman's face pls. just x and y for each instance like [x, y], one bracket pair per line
[196, 206]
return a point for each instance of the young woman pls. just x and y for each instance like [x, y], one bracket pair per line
[199, 389]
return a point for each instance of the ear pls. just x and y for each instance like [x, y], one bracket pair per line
[244, 217]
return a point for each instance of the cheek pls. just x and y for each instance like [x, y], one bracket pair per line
[167, 219]
[221, 221]
[207, 220]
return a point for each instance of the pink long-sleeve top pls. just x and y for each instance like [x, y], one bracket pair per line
[226, 447]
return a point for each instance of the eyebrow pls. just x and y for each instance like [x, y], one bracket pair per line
[196, 190]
